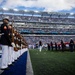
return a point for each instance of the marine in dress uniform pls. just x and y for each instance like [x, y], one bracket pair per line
[40, 46]
[55, 46]
[5, 42]
[10, 52]
[51, 44]
[62, 46]
[12, 44]
[48, 46]
[71, 45]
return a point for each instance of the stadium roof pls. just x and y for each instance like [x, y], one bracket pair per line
[39, 13]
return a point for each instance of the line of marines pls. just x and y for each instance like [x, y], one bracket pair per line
[12, 43]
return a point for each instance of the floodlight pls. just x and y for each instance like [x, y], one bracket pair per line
[36, 11]
[15, 9]
[5, 8]
[71, 13]
[26, 10]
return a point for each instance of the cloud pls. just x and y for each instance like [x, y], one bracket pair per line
[1, 1]
[48, 5]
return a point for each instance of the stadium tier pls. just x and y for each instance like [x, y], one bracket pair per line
[41, 25]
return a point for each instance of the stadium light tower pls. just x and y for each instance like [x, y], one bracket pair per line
[5, 9]
[15, 9]
[71, 13]
[36, 11]
[26, 10]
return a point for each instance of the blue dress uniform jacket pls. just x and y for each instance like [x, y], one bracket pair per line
[5, 39]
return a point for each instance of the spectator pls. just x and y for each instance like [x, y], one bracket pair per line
[48, 45]
[51, 46]
[55, 46]
[71, 45]
[40, 46]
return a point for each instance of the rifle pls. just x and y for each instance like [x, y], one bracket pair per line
[13, 42]
[17, 40]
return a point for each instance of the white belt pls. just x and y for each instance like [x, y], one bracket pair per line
[2, 34]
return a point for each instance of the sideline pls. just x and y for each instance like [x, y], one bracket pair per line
[29, 69]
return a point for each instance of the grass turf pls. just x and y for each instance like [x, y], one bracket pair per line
[53, 63]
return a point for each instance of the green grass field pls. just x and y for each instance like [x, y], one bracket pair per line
[53, 63]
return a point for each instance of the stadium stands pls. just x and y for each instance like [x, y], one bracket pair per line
[43, 26]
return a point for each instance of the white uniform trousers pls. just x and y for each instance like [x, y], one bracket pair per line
[26, 49]
[10, 55]
[18, 54]
[21, 51]
[4, 62]
[13, 54]
[40, 48]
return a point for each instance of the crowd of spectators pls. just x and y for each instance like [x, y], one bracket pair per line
[48, 39]
[47, 31]
[39, 19]
[52, 42]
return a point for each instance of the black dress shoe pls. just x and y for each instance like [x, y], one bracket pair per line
[11, 64]
[4, 68]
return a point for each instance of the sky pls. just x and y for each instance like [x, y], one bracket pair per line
[40, 5]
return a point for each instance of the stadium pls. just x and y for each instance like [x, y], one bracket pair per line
[47, 27]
